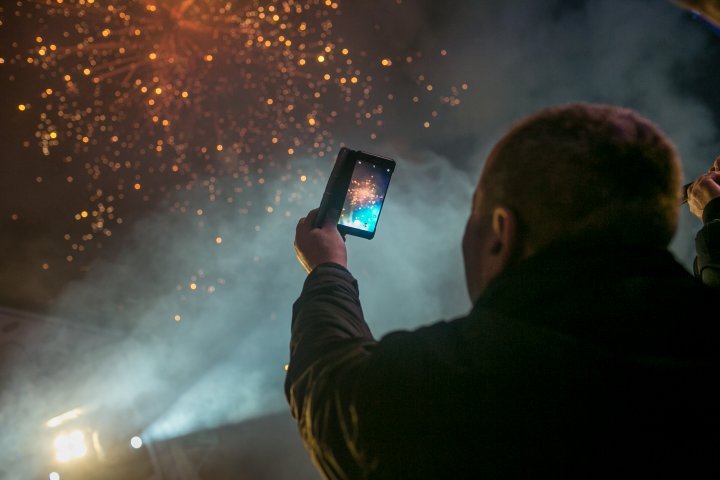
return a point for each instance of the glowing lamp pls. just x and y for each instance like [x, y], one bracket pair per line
[70, 446]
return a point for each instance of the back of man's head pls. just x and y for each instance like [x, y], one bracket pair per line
[584, 170]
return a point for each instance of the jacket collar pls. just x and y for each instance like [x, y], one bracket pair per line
[575, 266]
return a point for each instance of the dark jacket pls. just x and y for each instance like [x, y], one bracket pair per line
[707, 245]
[579, 362]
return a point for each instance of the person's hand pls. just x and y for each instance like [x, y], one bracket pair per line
[710, 9]
[704, 188]
[314, 246]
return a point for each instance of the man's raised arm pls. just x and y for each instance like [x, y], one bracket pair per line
[329, 344]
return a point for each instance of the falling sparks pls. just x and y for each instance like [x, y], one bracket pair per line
[142, 102]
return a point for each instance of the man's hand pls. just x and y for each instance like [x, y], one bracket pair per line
[710, 9]
[314, 246]
[704, 188]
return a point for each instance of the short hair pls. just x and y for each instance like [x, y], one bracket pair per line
[586, 170]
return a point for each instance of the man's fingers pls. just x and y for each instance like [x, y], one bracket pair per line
[708, 178]
[332, 217]
[300, 225]
[716, 165]
[306, 223]
[311, 216]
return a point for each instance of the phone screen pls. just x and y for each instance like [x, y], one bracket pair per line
[365, 195]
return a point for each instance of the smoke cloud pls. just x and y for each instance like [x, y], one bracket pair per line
[222, 362]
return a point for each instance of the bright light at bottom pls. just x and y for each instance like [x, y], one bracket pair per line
[54, 476]
[136, 442]
[69, 446]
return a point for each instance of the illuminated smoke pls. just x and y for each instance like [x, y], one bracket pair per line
[141, 100]
[203, 291]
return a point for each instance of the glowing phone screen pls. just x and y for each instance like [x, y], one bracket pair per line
[365, 196]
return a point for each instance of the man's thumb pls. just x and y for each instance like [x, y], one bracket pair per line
[332, 217]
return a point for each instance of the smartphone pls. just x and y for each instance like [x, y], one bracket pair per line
[357, 187]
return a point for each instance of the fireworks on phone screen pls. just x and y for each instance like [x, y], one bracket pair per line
[365, 196]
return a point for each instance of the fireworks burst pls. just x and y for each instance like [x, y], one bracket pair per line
[363, 192]
[141, 99]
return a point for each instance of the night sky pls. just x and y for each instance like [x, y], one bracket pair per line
[119, 110]
[157, 157]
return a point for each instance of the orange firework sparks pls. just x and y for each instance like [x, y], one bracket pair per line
[141, 99]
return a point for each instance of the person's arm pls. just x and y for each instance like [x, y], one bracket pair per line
[329, 344]
[355, 399]
[704, 202]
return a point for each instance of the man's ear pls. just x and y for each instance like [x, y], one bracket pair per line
[505, 236]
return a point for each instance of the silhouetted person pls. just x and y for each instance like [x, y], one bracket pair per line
[584, 355]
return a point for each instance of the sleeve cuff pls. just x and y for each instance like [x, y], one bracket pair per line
[327, 269]
[327, 266]
[712, 210]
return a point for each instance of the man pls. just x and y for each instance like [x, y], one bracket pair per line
[583, 356]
